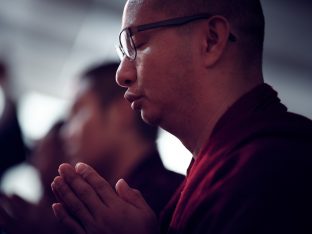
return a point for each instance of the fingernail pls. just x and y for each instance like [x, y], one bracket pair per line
[56, 208]
[57, 182]
[53, 185]
[122, 182]
[80, 168]
[60, 168]
[53, 205]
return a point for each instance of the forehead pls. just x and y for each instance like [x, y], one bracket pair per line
[137, 12]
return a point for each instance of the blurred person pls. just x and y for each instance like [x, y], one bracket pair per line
[104, 132]
[20, 216]
[47, 155]
[195, 69]
[12, 147]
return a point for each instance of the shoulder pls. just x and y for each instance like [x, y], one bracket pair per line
[266, 189]
[286, 137]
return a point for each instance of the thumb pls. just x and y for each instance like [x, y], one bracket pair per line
[130, 195]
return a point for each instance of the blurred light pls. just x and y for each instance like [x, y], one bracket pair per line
[38, 112]
[22, 180]
[172, 152]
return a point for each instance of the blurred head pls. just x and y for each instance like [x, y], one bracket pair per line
[173, 63]
[101, 120]
[3, 73]
[3, 70]
[49, 154]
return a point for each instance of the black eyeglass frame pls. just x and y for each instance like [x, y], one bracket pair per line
[130, 31]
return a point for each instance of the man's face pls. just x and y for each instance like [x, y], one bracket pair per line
[88, 134]
[160, 79]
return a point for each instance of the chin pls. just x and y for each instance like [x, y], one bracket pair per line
[150, 118]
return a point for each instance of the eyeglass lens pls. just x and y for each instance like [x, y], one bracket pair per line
[127, 44]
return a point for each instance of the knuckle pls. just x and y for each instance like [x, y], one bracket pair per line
[87, 174]
[100, 185]
[76, 208]
[63, 218]
[63, 189]
[83, 192]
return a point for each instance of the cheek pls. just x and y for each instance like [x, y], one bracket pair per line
[151, 69]
[160, 78]
[79, 136]
[90, 132]
[72, 133]
[96, 135]
[165, 72]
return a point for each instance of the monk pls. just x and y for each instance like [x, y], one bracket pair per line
[195, 69]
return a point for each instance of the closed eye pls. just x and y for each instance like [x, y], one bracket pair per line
[140, 46]
[139, 41]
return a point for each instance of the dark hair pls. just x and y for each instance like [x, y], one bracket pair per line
[101, 78]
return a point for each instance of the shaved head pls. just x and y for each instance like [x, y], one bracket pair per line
[245, 17]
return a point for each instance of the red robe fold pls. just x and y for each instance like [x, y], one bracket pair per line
[253, 176]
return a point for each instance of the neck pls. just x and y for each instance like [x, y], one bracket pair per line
[211, 105]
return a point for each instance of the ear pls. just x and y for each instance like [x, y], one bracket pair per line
[216, 38]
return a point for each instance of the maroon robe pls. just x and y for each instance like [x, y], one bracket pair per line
[253, 176]
[155, 182]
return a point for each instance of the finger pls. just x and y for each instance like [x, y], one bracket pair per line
[4, 217]
[130, 195]
[85, 193]
[98, 183]
[6, 207]
[58, 198]
[7, 222]
[18, 205]
[62, 215]
[70, 200]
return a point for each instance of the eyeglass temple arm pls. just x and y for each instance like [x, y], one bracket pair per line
[171, 23]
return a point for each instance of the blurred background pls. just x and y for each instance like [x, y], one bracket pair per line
[46, 44]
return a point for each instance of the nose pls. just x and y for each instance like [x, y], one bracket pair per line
[126, 73]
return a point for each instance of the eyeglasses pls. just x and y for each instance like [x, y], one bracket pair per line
[126, 47]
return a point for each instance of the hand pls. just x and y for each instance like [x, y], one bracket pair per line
[14, 214]
[5, 218]
[88, 204]
[19, 216]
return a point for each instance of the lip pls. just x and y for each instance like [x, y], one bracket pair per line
[134, 99]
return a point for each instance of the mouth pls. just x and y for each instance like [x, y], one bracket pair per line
[134, 99]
